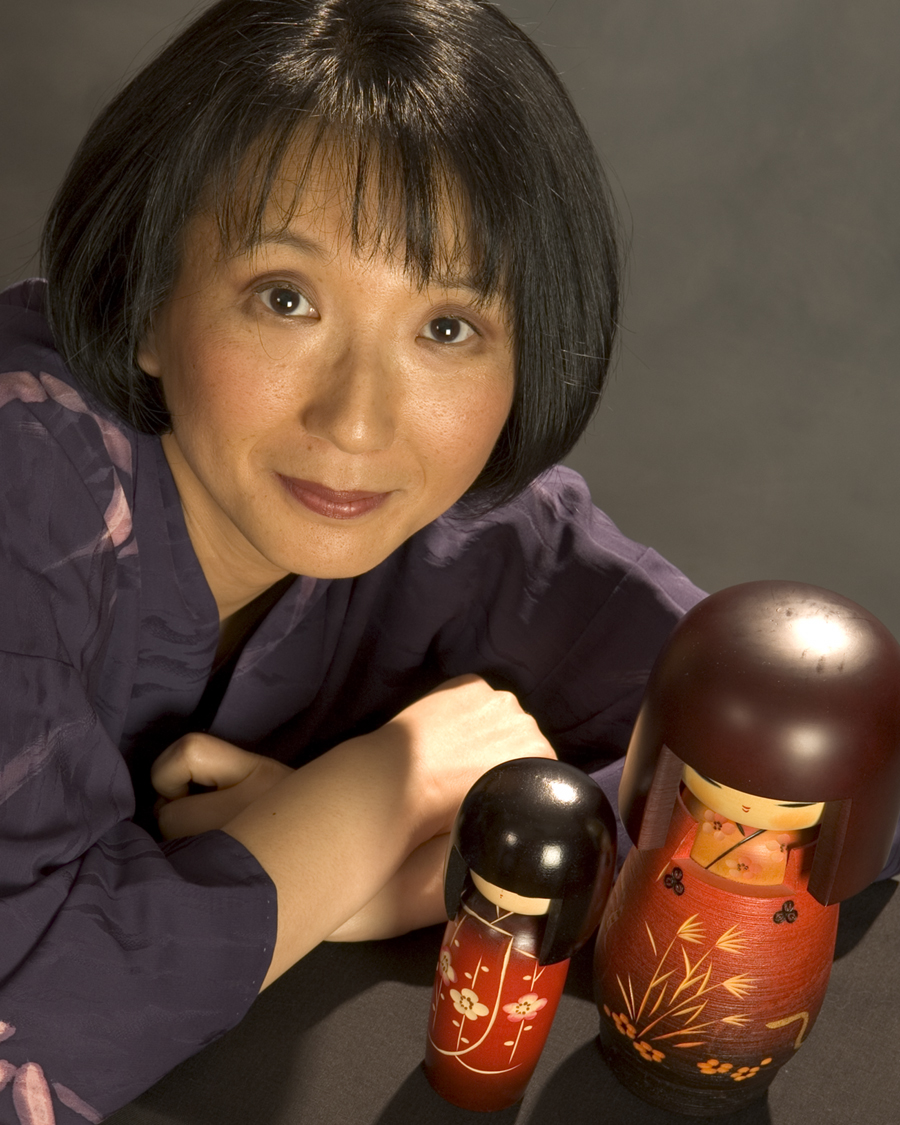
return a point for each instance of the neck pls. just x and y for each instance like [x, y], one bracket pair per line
[236, 572]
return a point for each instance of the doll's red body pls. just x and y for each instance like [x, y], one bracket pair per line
[707, 986]
[529, 868]
[761, 788]
[492, 1007]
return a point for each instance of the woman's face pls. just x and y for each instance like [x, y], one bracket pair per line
[324, 407]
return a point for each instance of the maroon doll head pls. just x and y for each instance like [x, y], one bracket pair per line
[541, 829]
[786, 691]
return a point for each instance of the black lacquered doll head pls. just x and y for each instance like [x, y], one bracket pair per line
[540, 829]
[783, 690]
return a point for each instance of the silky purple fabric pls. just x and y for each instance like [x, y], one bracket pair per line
[120, 957]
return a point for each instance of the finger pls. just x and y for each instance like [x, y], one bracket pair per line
[189, 816]
[170, 773]
[202, 759]
[467, 679]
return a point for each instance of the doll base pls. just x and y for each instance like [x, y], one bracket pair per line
[659, 1088]
[478, 1093]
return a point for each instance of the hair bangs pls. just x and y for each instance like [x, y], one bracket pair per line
[455, 148]
[399, 197]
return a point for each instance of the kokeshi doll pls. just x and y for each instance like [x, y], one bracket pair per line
[762, 787]
[529, 867]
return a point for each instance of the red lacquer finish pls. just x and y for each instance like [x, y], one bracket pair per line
[761, 788]
[707, 986]
[492, 1006]
[529, 867]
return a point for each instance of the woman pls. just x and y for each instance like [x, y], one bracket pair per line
[330, 286]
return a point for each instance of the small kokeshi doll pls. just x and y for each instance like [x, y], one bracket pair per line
[762, 787]
[529, 867]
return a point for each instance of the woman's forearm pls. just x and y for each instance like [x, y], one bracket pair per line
[412, 898]
[330, 836]
[333, 834]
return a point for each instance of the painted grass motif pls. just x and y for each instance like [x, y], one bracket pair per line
[679, 993]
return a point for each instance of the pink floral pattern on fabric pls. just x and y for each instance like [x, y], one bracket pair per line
[32, 1093]
[22, 386]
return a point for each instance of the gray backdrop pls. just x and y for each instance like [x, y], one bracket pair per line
[748, 431]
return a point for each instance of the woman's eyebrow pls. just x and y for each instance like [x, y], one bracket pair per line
[456, 281]
[307, 245]
[290, 238]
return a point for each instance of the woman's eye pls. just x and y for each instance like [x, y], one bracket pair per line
[448, 330]
[286, 302]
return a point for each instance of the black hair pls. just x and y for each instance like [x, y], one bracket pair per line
[430, 101]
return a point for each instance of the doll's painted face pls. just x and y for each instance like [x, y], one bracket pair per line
[746, 808]
[508, 900]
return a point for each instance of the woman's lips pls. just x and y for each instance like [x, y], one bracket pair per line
[327, 502]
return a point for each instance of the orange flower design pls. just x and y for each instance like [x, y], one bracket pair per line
[713, 1066]
[743, 1072]
[622, 1025]
[649, 1053]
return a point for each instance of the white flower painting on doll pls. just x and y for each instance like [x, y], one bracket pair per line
[467, 1002]
[445, 966]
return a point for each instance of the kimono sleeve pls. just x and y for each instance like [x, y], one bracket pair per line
[119, 958]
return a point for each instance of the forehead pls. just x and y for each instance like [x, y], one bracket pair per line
[345, 193]
[697, 780]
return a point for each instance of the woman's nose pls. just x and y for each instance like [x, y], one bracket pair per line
[352, 404]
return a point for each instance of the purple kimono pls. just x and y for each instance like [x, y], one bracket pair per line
[121, 956]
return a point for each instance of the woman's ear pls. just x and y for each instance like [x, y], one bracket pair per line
[147, 356]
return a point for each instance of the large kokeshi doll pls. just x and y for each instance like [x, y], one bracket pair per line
[529, 867]
[762, 787]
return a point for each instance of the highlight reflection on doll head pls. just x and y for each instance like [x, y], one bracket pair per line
[749, 809]
[536, 836]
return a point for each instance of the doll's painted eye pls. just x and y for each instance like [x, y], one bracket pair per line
[448, 330]
[796, 805]
[285, 301]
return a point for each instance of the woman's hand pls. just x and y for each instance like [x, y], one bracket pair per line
[349, 833]
[234, 777]
[455, 734]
